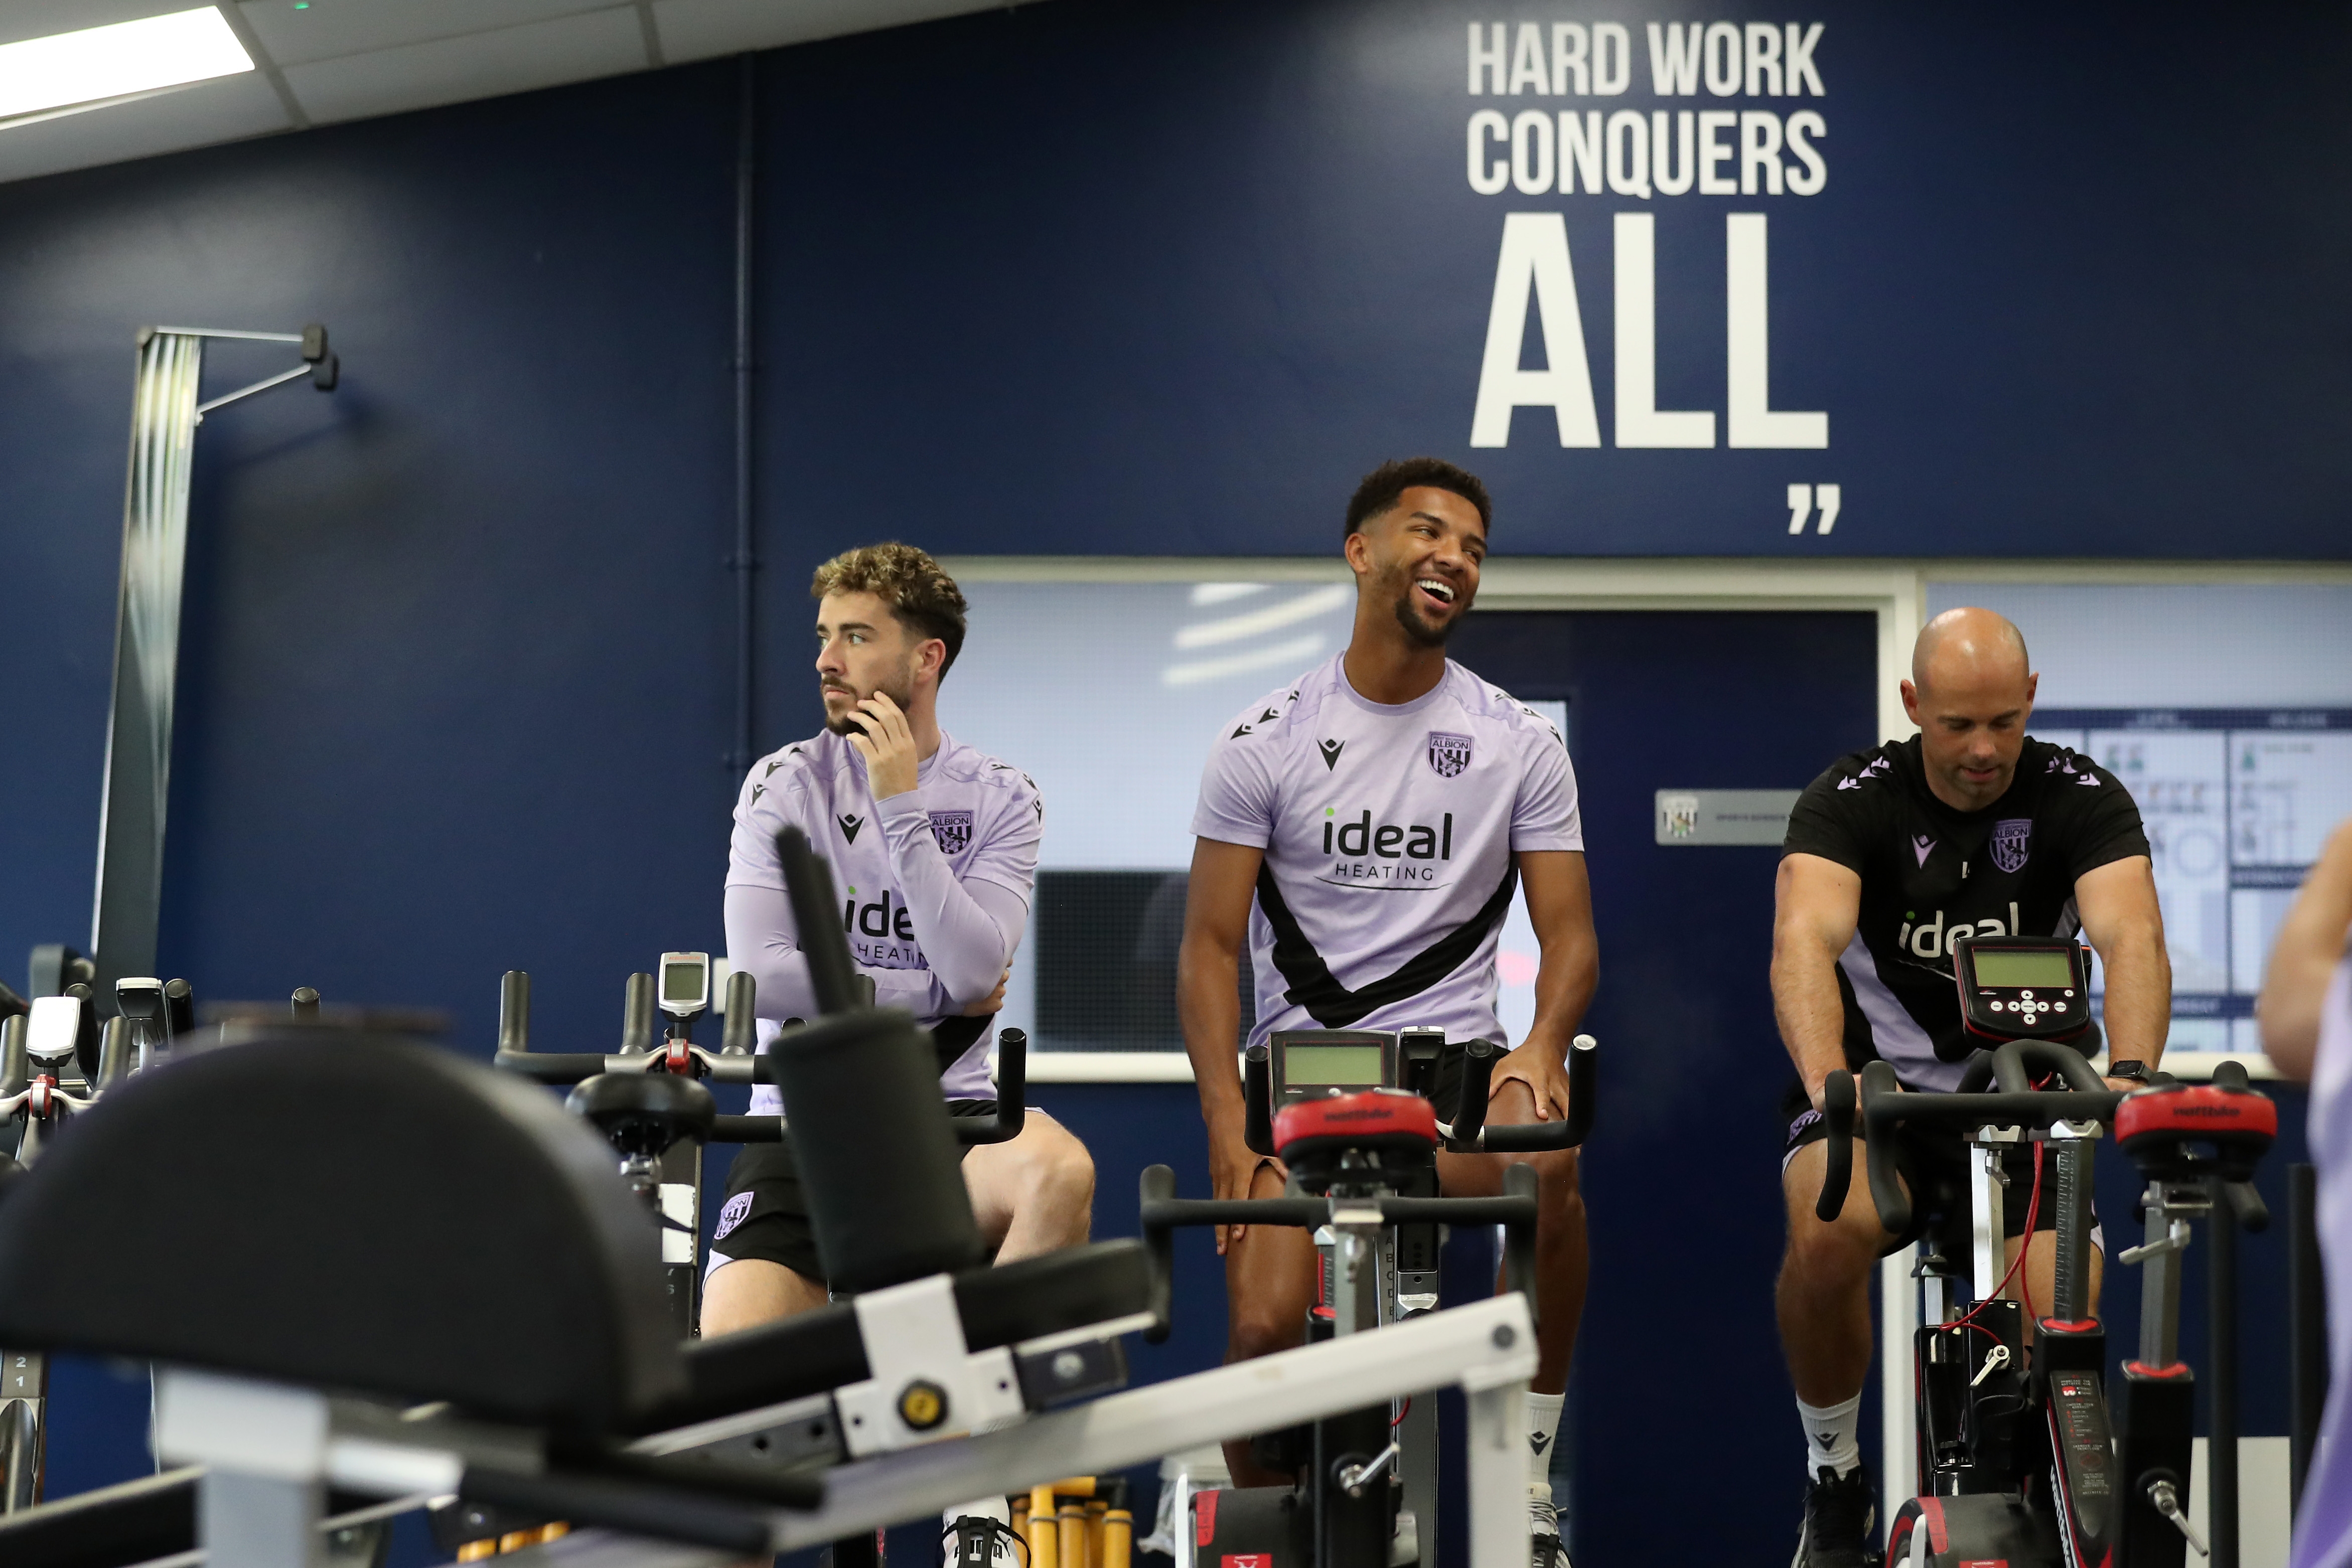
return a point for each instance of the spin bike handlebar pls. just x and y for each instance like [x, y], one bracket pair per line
[1467, 1131]
[1883, 1106]
[733, 1062]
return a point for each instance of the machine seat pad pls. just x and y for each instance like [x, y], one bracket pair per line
[820, 1351]
[346, 1211]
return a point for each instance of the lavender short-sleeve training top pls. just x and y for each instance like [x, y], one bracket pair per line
[1389, 833]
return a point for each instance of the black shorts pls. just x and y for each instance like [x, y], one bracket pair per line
[766, 1216]
[1934, 1163]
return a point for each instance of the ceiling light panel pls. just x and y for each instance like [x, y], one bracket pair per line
[296, 32]
[118, 60]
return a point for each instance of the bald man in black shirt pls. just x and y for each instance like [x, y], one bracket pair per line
[1970, 827]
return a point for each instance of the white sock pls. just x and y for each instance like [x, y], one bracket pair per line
[1830, 1433]
[1543, 1425]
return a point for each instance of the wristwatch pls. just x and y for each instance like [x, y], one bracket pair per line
[2135, 1071]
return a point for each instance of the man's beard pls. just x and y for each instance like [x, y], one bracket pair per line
[1420, 631]
[903, 696]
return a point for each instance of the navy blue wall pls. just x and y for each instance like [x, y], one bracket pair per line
[1097, 276]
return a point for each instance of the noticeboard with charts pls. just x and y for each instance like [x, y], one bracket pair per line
[2237, 803]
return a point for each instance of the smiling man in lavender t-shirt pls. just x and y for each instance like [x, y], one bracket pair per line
[1364, 829]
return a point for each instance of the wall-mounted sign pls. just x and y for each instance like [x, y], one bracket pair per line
[1865, 280]
[1707, 816]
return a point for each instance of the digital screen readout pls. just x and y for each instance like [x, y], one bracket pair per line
[681, 982]
[2051, 968]
[1332, 1065]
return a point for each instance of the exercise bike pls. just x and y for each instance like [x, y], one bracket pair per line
[1349, 1113]
[2023, 1462]
[55, 1063]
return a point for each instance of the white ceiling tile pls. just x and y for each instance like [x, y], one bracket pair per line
[222, 110]
[476, 65]
[699, 29]
[22, 19]
[324, 29]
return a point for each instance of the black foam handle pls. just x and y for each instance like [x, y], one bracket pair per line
[1159, 1186]
[113, 1052]
[1012, 1088]
[833, 975]
[1583, 1085]
[179, 1007]
[514, 1012]
[743, 1032]
[637, 1015]
[1528, 1137]
[1477, 1083]
[1837, 1110]
[11, 1004]
[1519, 1237]
[85, 1031]
[1257, 1100]
[15, 1066]
[557, 1067]
[747, 1129]
[1879, 1083]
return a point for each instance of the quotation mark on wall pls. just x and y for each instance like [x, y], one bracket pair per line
[1802, 498]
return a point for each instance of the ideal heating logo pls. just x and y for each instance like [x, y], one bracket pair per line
[1358, 847]
[880, 933]
[1933, 939]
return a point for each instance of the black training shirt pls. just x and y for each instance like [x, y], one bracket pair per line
[1929, 873]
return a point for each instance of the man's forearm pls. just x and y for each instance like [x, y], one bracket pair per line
[1208, 1003]
[2138, 1003]
[1810, 1012]
[1566, 977]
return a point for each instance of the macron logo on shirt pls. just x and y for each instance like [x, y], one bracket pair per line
[1331, 749]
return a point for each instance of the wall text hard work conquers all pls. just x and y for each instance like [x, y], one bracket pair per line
[1750, 151]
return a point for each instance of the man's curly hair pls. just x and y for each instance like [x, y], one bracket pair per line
[925, 599]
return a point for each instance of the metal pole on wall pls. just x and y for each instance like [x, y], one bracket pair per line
[163, 419]
[743, 562]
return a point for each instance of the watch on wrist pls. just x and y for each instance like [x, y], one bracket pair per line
[2135, 1071]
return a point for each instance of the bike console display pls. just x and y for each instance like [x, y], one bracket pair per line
[2023, 988]
[685, 984]
[1311, 1063]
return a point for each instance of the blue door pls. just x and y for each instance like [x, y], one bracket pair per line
[1680, 1407]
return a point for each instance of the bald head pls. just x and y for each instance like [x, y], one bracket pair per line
[1968, 648]
[1970, 693]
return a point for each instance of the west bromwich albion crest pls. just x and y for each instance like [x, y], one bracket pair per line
[2012, 841]
[953, 832]
[1449, 754]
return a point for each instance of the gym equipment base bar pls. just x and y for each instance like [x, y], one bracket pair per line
[1487, 1350]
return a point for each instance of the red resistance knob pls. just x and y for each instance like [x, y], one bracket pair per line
[2158, 1128]
[1387, 1119]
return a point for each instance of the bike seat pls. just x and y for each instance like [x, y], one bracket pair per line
[447, 1215]
[2161, 1130]
[643, 1112]
[1313, 1136]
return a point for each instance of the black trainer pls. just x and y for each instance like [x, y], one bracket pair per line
[1838, 1515]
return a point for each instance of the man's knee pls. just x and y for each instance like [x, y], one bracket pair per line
[1058, 1171]
[1262, 1327]
[1830, 1253]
